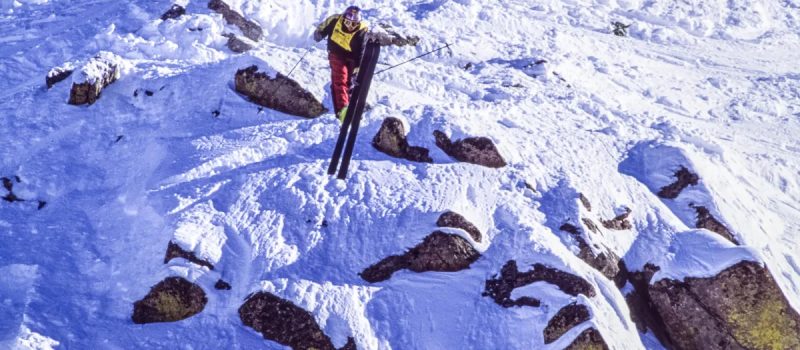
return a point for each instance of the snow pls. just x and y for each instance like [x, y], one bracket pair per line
[171, 153]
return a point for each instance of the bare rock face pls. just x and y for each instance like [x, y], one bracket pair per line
[250, 29]
[474, 150]
[174, 11]
[740, 308]
[99, 72]
[172, 299]
[438, 252]
[280, 93]
[566, 318]
[175, 251]
[510, 278]
[58, 74]
[589, 339]
[391, 139]
[237, 45]
[709, 222]
[606, 261]
[452, 219]
[283, 322]
[685, 178]
[643, 311]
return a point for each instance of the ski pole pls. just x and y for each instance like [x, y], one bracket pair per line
[298, 62]
[420, 56]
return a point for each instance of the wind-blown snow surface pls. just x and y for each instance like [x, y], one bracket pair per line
[713, 86]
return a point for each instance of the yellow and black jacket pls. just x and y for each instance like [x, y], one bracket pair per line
[349, 46]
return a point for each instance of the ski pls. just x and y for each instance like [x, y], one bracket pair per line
[352, 119]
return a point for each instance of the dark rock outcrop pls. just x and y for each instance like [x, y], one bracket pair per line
[740, 308]
[101, 71]
[58, 74]
[438, 252]
[175, 251]
[501, 287]
[585, 202]
[280, 93]
[452, 219]
[643, 312]
[606, 261]
[391, 139]
[8, 184]
[285, 323]
[250, 29]
[222, 285]
[172, 299]
[474, 150]
[566, 318]
[174, 11]
[620, 222]
[709, 222]
[237, 45]
[685, 178]
[589, 339]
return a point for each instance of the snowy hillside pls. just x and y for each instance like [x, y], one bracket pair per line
[591, 125]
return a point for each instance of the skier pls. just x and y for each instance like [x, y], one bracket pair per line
[347, 35]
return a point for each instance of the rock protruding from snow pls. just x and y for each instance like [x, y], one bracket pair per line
[250, 29]
[99, 72]
[643, 311]
[709, 222]
[391, 139]
[619, 222]
[280, 93]
[174, 11]
[175, 251]
[438, 252]
[8, 184]
[564, 320]
[172, 299]
[605, 261]
[453, 219]
[740, 308]
[589, 339]
[474, 150]
[283, 322]
[237, 45]
[684, 179]
[501, 287]
[58, 74]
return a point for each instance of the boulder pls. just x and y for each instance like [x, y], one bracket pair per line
[172, 299]
[285, 323]
[452, 219]
[589, 339]
[501, 287]
[99, 72]
[250, 29]
[742, 307]
[620, 222]
[438, 252]
[474, 150]
[566, 318]
[58, 74]
[604, 261]
[685, 178]
[391, 139]
[175, 251]
[280, 93]
[237, 45]
[643, 311]
[174, 11]
[709, 222]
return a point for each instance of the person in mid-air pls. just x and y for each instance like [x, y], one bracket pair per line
[347, 35]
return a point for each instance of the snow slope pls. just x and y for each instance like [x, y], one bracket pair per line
[713, 86]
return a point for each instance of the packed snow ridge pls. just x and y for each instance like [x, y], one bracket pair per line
[616, 174]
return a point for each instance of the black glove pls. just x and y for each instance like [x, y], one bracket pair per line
[318, 36]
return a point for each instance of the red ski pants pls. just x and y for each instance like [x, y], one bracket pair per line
[341, 73]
